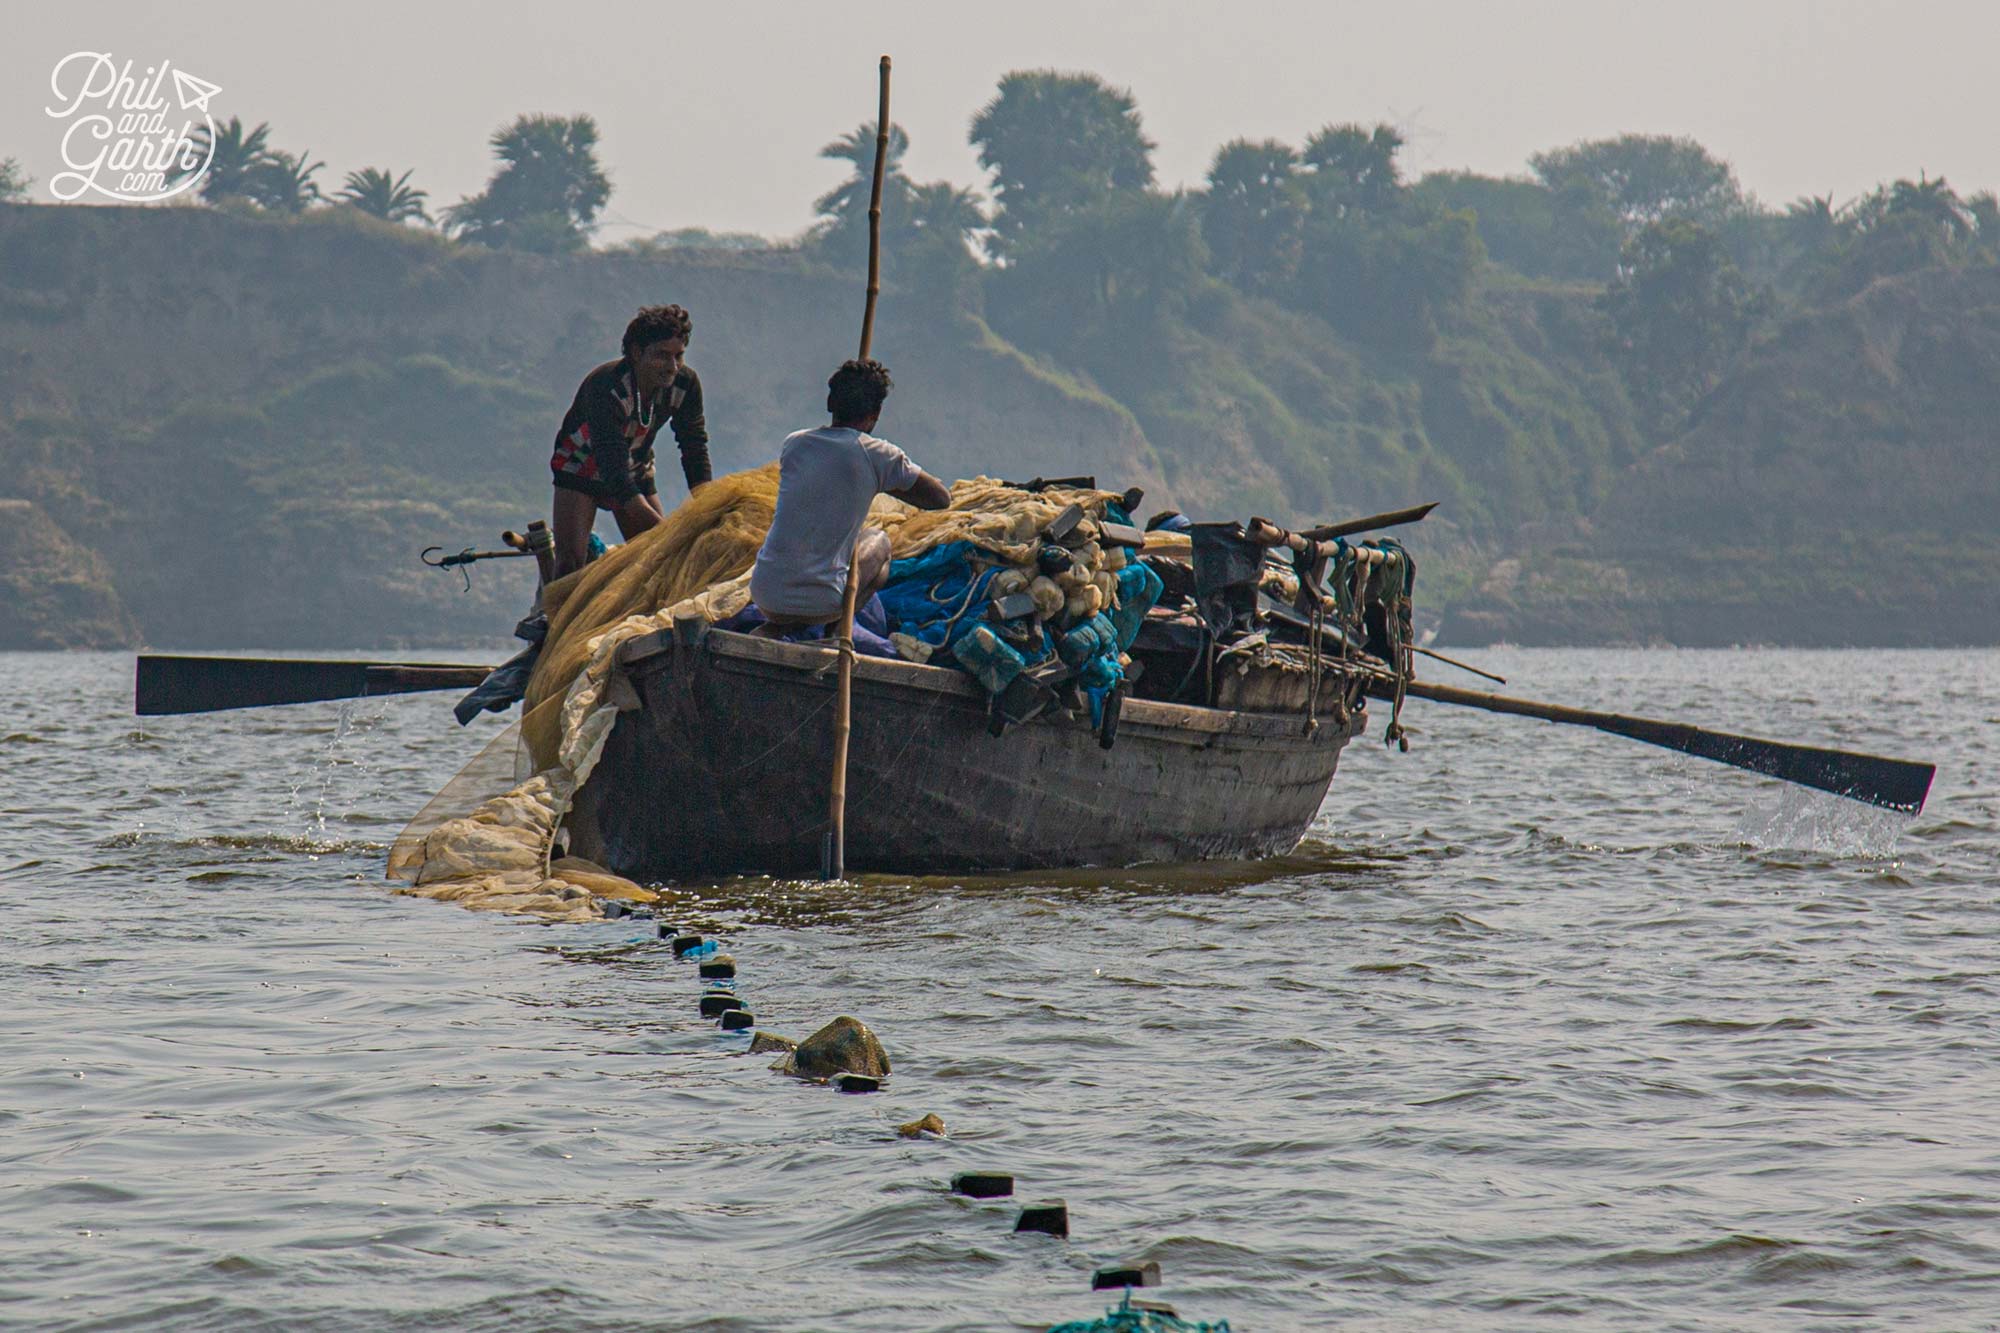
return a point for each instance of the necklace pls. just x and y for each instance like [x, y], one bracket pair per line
[643, 412]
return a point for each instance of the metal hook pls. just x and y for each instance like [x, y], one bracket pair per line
[461, 562]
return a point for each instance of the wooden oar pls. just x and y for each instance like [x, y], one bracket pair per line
[1898, 784]
[169, 684]
[1394, 518]
[833, 863]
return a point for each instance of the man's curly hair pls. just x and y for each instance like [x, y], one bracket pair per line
[657, 323]
[857, 390]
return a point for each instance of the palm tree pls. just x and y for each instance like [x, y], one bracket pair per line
[233, 155]
[1933, 201]
[1252, 212]
[849, 200]
[548, 191]
[378, 194]
[943, 209]
[1812, 215]
[1352, 165]
[1811, 223]
[284, 183]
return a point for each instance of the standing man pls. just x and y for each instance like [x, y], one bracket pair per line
[826, 480]
[604, 451]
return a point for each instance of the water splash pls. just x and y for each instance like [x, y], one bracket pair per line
[338, 767]
[1799, 819]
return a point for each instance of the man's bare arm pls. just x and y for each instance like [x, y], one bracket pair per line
[926, 492]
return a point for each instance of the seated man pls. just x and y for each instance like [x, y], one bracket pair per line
[604, 450]
[826, 480]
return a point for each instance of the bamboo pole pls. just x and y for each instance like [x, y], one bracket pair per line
[875, 215]
[834, 861]
[1462, 666]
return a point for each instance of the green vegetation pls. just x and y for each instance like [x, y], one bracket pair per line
[547, 192]
[1653, 407]
[14, 182]
[1680, 314]
[1640, 179]
[1057, 144]
[928, 230]
[382, 195]
[232, 155]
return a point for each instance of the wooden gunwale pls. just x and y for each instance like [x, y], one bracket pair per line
[816, 661]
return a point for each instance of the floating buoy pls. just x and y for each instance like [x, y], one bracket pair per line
[686, 944]
[982, 1184]
[916, 1129]
[722, 965]
[1083, 603]
[1050, 1219]
[1145, 1274]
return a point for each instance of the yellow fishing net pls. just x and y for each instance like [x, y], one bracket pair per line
[486, 840]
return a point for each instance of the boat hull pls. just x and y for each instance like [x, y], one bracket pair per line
[723, 768]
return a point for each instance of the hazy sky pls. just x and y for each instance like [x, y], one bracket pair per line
[711, 115]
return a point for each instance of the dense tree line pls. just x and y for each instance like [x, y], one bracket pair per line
[1080, 246]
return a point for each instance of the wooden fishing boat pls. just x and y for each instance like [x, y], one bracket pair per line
[721, 767]
[718, 758]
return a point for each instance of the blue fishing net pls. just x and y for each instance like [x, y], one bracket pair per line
[941, 596]
[1122, 1318]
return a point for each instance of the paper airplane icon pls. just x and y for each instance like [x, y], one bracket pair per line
[194, 93]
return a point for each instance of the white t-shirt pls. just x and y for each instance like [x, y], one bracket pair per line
[826, 480]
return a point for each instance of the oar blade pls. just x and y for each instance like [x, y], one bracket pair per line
[211, 684]
[1895, 784]
[173, 684]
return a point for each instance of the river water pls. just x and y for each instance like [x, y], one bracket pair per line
[1540, 1026]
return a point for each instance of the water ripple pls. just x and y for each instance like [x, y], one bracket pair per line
[1537, 1025]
